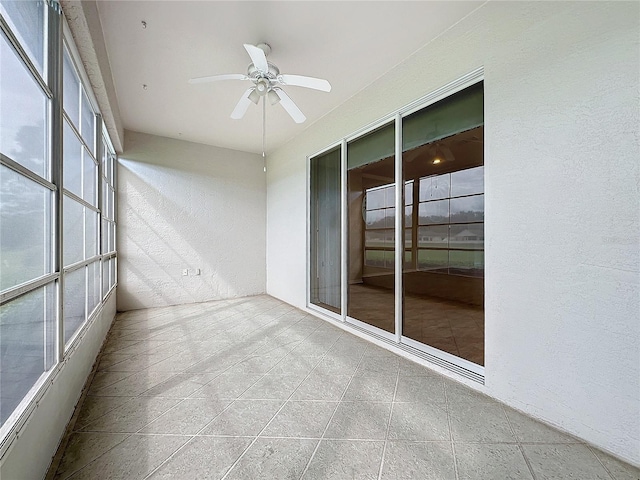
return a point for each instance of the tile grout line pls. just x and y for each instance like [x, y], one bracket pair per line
[280, 409]
[520, 448]
[599, 461]
[453, 445]
[386, 435]
[322, 437]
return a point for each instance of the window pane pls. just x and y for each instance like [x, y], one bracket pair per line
[375, 218]
[112, 239]
[27, 343]
[71, 90]
[469, 236]
[93, 291]
[467, 182]
[90, 176]
[433, 212]
[408, 216]
[408, 193]
[109, 170]
[103, 160]
[433, 259]
[27, 20]
[389, 259]
[407, 259]
[73, 231]
[112, 272]
[91, 233]
[104, 240]
[72, 161]
[112, 176]
[74, 302]
[434, 187]
[25, 229]
[105, 278]
[468, 262]
[88, 124]
[379, 238]
[436, 236]
[407, 237]
[467, 209]
[374, 238]
[23, 113]
[112, 207]
[375, 199]
[390, 217]
[374, 258]
[390, 195]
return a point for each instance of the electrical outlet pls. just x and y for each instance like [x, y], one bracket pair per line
[185, 272]
[197, 271]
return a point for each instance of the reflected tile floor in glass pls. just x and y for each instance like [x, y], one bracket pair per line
[453, 327]
[252, 388]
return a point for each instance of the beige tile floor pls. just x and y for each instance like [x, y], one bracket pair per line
[252, 388]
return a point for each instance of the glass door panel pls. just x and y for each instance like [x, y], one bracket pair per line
[443, 273]
[371, 229]
[325, 255]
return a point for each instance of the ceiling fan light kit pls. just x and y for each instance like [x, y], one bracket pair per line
[267, 79]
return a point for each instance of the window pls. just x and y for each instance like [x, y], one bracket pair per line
[28, 283]
[108, 237]
[81, 215]
[40, 271]
[451, 223]
[379, 235]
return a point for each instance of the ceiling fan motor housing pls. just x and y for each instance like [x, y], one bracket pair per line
[254, 73]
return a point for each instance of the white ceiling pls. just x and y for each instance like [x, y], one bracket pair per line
[351, 44]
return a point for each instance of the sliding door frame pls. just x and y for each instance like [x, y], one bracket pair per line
[452, 362]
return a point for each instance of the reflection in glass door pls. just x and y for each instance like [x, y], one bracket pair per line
[443, 274]
[371, 229]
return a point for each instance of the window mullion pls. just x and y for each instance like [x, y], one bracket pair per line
[54, 75]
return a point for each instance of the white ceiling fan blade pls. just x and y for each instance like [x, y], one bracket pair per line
[291, 108]
[258, 57]
[243, 104]
[217, 78]
[308, 82]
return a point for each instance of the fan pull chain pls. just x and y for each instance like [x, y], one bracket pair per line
[264, 132]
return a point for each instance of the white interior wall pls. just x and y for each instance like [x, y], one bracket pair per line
[183, 205]
[30, 453]
[562, 210]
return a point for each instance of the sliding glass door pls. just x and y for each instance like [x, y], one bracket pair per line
[439, 161]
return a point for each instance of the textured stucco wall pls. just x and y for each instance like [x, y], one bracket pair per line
[187, 205]
[562, 209]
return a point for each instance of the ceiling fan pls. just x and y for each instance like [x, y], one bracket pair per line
[267, 81]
